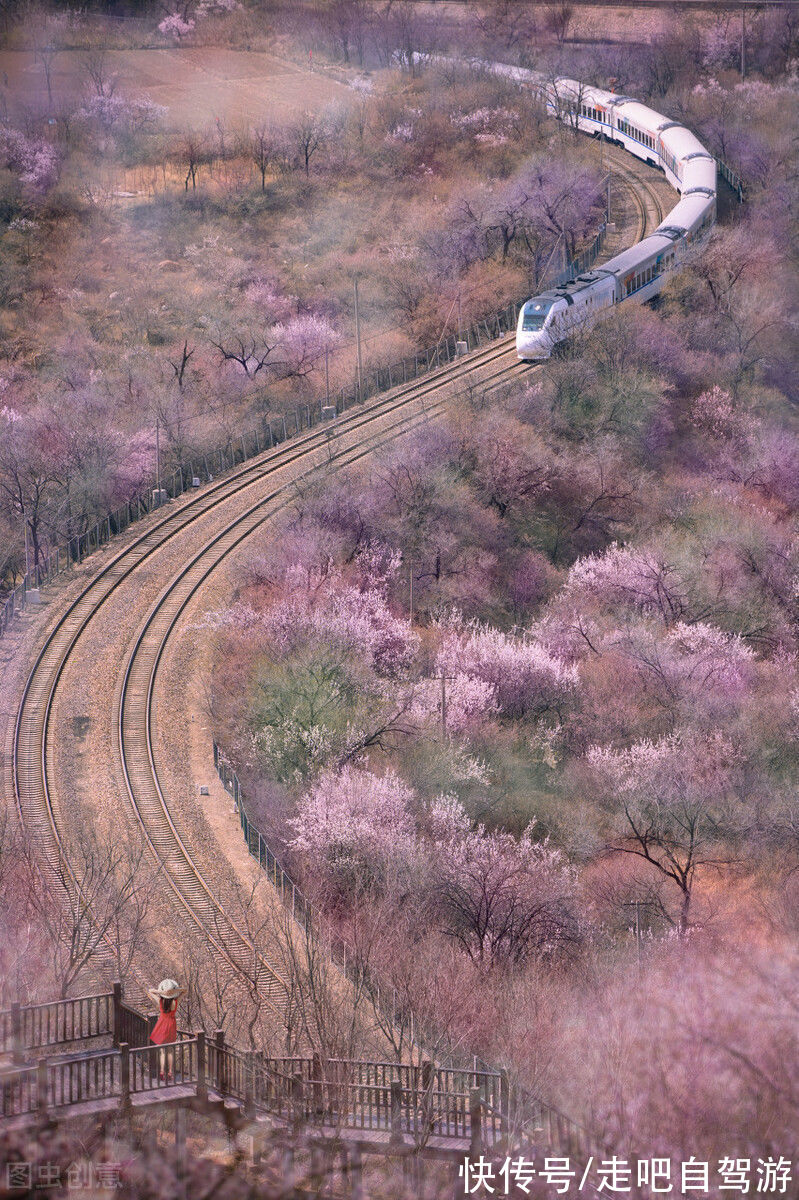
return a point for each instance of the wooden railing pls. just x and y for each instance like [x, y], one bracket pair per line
[331, 1094]
[40, 1026]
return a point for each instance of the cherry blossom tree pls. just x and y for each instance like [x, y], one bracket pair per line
[676, 805]
[503, 899]
[325, 609]
[302, 341]
[526, 679]
[357, 825]
[115, 113]
[34, 160]
[175, 26]
[630, 578]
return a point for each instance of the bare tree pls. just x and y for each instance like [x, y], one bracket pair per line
[95, 67]
[264, 150]
[93, 901]
[558, 19]
[193, 151]
[252, 351]
[311, 133]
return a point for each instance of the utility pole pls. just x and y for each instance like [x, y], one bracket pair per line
[358, 340]
[327, 375]
[743, 43]
[460, 323]
[637, 905]
[158, 456]
[410, 593]
[443, 707]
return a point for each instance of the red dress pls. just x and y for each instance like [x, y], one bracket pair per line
[166, 1027]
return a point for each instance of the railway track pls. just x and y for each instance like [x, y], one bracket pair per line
[645, 198]
[241, 496]
[231, 509]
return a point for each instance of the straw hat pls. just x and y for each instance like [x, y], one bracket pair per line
[167, 989]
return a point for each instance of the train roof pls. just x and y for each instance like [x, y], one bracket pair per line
[697, 173]
[680, 142]
[566, 291]
[630, 260]
[688, 213]
[641, 116]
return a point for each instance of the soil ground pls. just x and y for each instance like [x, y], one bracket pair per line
[197, 85]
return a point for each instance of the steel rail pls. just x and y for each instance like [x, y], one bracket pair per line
[135, 706]
[31, 741]
[31, 768]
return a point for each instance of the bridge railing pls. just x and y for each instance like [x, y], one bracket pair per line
[153, 1067]
[19, 1091]
[78, 1080]
[40, 1026]
[397, 1098]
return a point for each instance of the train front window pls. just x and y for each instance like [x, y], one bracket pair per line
[535, 314]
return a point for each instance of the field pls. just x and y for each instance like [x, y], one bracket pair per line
[197, 85]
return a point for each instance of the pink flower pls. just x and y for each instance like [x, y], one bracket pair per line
[174, 26]
[524, 678]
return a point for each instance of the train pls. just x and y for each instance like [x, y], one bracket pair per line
[639, 272]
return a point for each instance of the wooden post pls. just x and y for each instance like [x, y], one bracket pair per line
[396, 1112]
[249, 1087]
[41, 1085]
[117, 1014]
[124, 1075]
[475, 1123]
[355, 1168]
[317, 1087]
[288, 1168]
[296, 1102]
[221, 1062]
[504, 1103]
[17, 1046]
[202, 1082]
[180, 1136]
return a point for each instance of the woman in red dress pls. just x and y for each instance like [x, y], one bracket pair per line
[167, 994]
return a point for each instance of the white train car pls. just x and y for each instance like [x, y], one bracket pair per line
[640, 272]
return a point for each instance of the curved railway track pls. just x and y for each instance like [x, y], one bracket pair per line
[231, 508]
[34, 769]
[647, 202]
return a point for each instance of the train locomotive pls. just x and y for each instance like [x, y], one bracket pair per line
[640, 272]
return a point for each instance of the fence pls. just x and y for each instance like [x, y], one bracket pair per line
[530, 1112]
[734, 181]
[78, 1019]
[271, 432]
[38, 1026]
[369, 1096]
[331, 1094]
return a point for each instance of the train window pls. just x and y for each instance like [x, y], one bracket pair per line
[535, 315]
